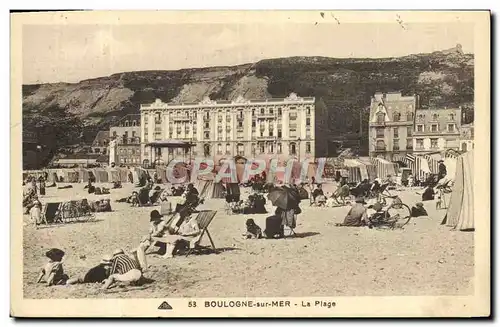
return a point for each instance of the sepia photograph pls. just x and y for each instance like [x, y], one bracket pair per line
[250, 163]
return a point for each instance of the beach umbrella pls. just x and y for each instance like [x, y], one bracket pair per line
[284, 198]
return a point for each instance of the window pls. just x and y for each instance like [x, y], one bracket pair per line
[409, 116]
[421, 117]
[206, 149]
[207, 135]
[308, 147]
[126, 123]
[420, 128]
[396, 116]
[262, 148]
[279, 111]
[292, 149]
[241, 114]
[134, 123]
[271, 111]
[434, 128]
[379, 132]
[380, 118]
[279, 133]
[396, 133]
[271, 132]
[253, 112]
[207, 125]
[308, 111]
[420, 143]
[308, 121]
[253, 123]
[271, 147]
[435, 117]
[451, 116]
[279, 148]
[261, 133]
[262, 111]
[240, 124]
[219, 148]
[133, 134]
[451, 127]
[434, 143]
[228, 148]
[114, 134]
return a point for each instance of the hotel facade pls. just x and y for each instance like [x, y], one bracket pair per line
[276, 127]
[436, 130]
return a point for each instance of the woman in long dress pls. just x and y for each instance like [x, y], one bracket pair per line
[36, 212]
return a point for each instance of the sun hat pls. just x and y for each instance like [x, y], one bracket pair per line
[118, 251]
[155, 215]
[106, 259]
[419, 204]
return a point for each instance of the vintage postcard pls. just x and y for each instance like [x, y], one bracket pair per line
[250, 164]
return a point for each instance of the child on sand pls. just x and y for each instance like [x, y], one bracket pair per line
[53, 270]
[253, 230]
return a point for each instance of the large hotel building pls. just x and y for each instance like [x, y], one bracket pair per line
[275, 127]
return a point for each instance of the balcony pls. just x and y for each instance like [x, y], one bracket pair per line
[409, 147]
[240, 118]
[265, 116]
[380, 149]
[266, 138]
[292, 126]
[181, 118]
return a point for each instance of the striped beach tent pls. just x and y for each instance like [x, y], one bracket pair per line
[432, 163]
[371, 169]
[384, 167]
[460, 213]
[113, 175]
[101, 175]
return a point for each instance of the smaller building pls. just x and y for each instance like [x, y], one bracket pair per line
[467, 137]
[100, 143]
[436, 130]
[82, 160]
[125, 145]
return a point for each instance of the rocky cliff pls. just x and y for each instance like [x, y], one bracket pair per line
[443, 78]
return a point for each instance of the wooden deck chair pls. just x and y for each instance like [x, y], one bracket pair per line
[51, 213]
[341, 193]
[204, 219]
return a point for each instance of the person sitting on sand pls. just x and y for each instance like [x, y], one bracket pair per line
[418, 210]
[357, 216]
[428, 194]
[124, 269]
[97, 274]
[253, 230]
[53, 271]
[330, 200]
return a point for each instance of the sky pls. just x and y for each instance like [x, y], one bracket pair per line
[71, 53]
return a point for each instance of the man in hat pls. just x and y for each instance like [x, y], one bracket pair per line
[442, 170]
[357, 216]
[97, 274]
[124, 269]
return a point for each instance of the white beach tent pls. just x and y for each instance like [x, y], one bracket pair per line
[460, 213]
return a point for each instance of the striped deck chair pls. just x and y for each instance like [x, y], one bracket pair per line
[204, 219]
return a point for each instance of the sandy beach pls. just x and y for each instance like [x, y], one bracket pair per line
[424, 258]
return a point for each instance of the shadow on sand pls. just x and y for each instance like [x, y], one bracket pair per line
[302, 235]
